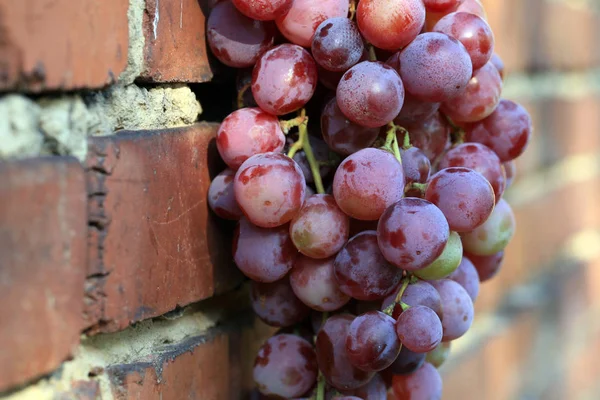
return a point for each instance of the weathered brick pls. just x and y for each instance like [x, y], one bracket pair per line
[175, 48]
[158, 246]
[43, 225]
[62, 44]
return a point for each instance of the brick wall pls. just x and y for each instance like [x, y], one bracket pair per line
[117, 283]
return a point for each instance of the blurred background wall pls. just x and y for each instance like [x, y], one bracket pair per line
[537, 328]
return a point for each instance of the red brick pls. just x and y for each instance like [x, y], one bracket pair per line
[81, 390]
[43, 225]
[157, 244]
[176, 49]
[62, 44]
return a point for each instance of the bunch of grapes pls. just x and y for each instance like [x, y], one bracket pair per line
[370, 213]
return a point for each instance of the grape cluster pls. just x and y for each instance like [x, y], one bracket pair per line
[367, 218]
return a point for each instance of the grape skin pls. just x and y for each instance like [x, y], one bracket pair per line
[423, 384]
[284, 79]
[412, 233]
[406, 363]
[299, 24]
[473, 7]
[419, 329]
[446, 263]
[419, 293]
[457, 306]
[439, 355]
[263, 10]
[372, 343]
[466, 275]
[506, 131]
[370, 94]
[487, 266]
[435, 67]
[236, 40]
[285, 366]
[390, 25]
[221, 198]
[269, 189]
[361, 270]
[493, 236]
[374, 390]
[332, 358]
[499, 64]
[247, 132]
[416, 165]
[480, 98]
[362, 194]
[465, 197]
[510, 169]
[441, 5]
[337, 44]
[430, 135]
[263, 255]
[276, 304]
[313, 281]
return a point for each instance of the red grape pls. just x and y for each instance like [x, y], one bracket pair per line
[435, 67]
[285, 366]
[506, 131]
[276, 304]
[439, 355]
[473, 7]
[332, 358]
[343, 136]
[284, 79]
[390, 25]
[263, 10]
[407, 362]
[446, 263]
[313, 281]
[430, 135]
[419, 329]
[270, 189]
[423, 384]
[299, 24]
[419, 293]
[370, 94]
[487, 266]
[416, 165]
[329, 79]
[480, 98]
[498, 63]
[337, 44]
[361, 270]
[321, 153]
[367, 182]
[412, 233]
[478, 158]
[510, 168]
[246, 132]
[374, 390]
[457, 306]
[221, 198]
[465, 197]
[493, 236]
[236, 40]
[466, 275]
[320, 228]
[473, 32]
[441, 5]
[414, 111]
[372, 343]
[264, 255]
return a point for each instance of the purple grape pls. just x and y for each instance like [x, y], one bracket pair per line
[435, 67]
[498, 63]
[466, 275]
[419, 293]
[361, 270]
[506, 131]
[423, 384]
[430, 135]
[372, 343]
[465, 197]
[473, 32]
[374, 390]
[370, 94]
[457, 306]
[416, 165]
[367, 182]
[479, 158]
[412, 233]
[263, 255]
[236, 40]
[284, 79]
[495, 233]
[313, 281]
[332, 358]
[247, 132]
[419, 329]
[276, 304]
[221, 198]
[440, 6]
[285, 366]
[510, 168]
[337, 44]
[342, 135]
[263, 10]
[487, 266]
[414, 111]
[270, 189]
[406, 363]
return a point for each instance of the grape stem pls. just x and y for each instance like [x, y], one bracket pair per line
[389, 310]
[391, 141]
[372, 55]
[303, 143]
[406, 143]
[421, 187]
[291, 123]
[321, 378]
[352, 9]
[458, 134]
[240, 95]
